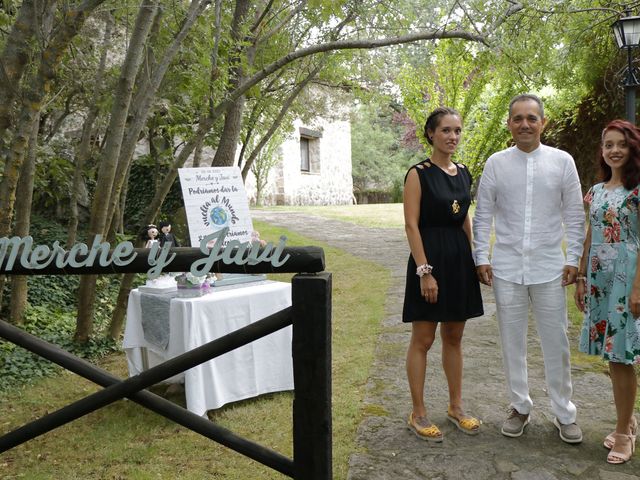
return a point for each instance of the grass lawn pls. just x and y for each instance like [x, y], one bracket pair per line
[377, 215]
[125, 441]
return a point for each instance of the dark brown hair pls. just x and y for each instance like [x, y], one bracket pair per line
[433, 120]
[631, 169]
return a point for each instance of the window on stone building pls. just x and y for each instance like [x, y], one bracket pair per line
[310, 150]
[304, 154]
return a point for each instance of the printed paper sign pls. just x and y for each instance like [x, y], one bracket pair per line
[215, 198]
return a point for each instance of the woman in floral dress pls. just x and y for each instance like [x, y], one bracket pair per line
[608, 288]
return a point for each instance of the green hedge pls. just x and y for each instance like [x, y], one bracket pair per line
[142, 185]
[51, 315]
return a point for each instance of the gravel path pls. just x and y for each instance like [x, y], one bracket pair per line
[388, 451]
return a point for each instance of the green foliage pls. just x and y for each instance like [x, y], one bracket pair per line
[52, 184]
[46, 230]
[54, 325]
[585, 121]
[396, 190]
[52, 290]
[560, 50]
[470, 84]
[143, 178]
[5, 19]
[51, 315]
[379, 158]
[264, 163]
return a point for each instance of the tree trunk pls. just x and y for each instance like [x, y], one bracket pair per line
[15, 55]
[33, 95]
[58, 119]
[106, 174]
[123, 201]
[14, 59]
[226, 151]
[84, 148]
[17, 152]
[197, 155]
[18, 301]
[145, 98]
[33, 99]
[257, 110]
[117, 318]
[213, 76]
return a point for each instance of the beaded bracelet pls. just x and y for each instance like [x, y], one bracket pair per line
[581, 279]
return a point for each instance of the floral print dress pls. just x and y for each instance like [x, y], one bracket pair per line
[609, 329]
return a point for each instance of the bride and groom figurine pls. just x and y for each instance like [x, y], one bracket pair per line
[151, 234]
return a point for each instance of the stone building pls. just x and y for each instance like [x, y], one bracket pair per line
[314, 167]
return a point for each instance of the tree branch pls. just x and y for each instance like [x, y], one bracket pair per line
[278, 120]
[263, 14]
[352, 44]
[512, 10]
[281, 24]
[466, 13]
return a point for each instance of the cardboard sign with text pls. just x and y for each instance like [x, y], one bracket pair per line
[215, 198]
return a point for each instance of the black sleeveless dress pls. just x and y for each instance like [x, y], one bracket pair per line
[443, 207]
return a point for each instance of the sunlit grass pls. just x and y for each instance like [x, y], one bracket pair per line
[379, 215]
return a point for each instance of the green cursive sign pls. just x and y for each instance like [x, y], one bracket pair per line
[22, 250]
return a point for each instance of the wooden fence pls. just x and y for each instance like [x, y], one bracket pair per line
[310, 315]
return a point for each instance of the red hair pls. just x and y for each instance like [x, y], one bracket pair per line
[631, 169]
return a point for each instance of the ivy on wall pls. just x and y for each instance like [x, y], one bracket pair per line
[143, 179]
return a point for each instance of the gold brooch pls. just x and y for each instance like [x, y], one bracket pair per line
[455, 208]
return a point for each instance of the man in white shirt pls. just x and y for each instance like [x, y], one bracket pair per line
[533, 194]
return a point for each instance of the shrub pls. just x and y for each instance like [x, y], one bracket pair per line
[19, 366]
[51, 315]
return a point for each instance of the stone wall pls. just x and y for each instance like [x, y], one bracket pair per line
[328, 181]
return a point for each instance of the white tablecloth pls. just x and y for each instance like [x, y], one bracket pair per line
[260, 367]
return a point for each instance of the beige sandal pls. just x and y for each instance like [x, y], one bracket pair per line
[622, 450]
[424, 429]
[609, 441]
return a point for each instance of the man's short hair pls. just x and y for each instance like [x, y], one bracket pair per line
[527, 96]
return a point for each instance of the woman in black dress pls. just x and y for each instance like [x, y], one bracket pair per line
[442, 285]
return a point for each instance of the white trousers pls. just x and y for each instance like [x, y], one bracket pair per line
[549, 306]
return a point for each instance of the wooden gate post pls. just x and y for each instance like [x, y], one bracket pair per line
[311, 348]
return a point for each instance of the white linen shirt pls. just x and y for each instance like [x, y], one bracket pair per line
[530, 196]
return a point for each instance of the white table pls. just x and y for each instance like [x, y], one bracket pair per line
[257, 368]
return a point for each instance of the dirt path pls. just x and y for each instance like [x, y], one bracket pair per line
[389, 451]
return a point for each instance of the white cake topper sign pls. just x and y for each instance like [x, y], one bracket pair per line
[80, 255]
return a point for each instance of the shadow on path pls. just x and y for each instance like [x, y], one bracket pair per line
[387, 450]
